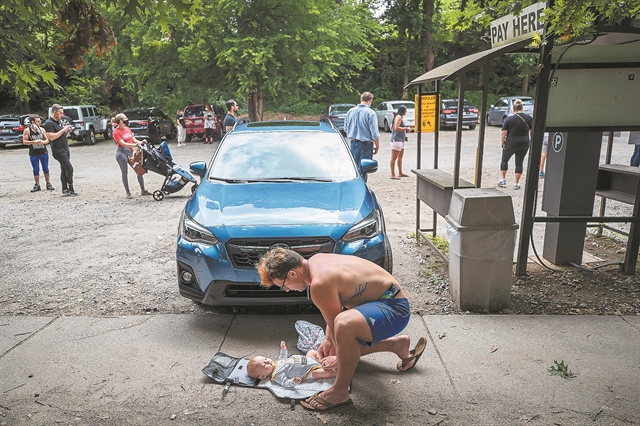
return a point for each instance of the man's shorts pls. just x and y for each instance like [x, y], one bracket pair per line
[386, 317]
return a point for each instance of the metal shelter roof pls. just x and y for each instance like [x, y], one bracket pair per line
[462, 65]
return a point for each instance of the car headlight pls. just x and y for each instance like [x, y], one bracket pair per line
[369, 227]
[193, 232]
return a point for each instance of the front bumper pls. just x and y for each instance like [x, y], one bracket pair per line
[217, 282]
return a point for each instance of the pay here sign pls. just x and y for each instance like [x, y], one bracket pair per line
[512, 28]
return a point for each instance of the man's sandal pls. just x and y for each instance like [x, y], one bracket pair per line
[416, 353]
[317, 398]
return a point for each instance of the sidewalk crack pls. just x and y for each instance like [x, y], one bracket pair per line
[32, 334]
[435, 347]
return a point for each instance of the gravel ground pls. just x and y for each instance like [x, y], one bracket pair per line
[101, 254]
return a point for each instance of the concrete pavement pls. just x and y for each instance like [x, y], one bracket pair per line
[476, 370]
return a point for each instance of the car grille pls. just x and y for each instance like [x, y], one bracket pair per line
[257, 290]
[245, 253]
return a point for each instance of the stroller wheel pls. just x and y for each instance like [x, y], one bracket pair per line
[158, 195]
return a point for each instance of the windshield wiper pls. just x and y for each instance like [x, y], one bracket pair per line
[229, 180]
[289, 179]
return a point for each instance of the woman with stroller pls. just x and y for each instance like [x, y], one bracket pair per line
[125, 143]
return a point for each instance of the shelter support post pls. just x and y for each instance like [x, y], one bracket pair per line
[531, 186]
[483, 122]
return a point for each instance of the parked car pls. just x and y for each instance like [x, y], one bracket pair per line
[336, 112]
[150, 124]
[272, 184]
[86, 122]
[387, 110]
[194, 120]
[11, 128]
[502, 109]
[449, 114]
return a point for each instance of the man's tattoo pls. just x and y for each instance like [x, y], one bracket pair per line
[360, 289]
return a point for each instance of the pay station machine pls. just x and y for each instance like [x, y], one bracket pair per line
[594, 88]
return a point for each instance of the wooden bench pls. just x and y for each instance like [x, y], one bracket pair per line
[435, 187]
[618, 182]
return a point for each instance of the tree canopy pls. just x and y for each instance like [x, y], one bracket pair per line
[125, 53]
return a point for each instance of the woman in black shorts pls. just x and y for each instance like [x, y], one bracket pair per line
[515, 139]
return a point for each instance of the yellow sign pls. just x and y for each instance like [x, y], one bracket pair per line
[428, 119]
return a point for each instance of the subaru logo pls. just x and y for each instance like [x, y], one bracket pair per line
[279, 245]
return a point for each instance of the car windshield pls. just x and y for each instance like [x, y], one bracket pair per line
[196, 110]
[408, 104]
[273, 156]
[137, 114]
[340, 109]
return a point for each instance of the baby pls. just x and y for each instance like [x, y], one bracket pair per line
[290, 371]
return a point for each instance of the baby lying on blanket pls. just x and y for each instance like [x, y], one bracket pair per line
[289, 371]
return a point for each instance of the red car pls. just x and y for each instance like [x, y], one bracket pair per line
[194, 120]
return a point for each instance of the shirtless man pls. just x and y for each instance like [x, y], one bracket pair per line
[375, 311]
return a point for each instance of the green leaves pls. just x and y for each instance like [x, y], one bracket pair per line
[560, 369]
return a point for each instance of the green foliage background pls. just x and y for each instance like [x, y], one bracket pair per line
[301, 54]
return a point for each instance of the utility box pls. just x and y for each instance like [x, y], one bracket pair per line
[482, 236]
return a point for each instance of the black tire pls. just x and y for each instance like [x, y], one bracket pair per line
[385, 125]
[158, 195]
[188, 138]
[387, 263]
[173, 134]
[472, 126]
[90, 138]
[107, 133]
[3, 146]
[488, 121]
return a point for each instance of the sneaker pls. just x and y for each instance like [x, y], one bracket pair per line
[35, 188]
[145, 192]
[50, 187]
[516, 186]
[502, 182]
[65, 194]
[541, 174]
[129, 196]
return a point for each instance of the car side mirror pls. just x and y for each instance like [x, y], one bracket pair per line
[491, 106]
[199, 168]
[368, 166]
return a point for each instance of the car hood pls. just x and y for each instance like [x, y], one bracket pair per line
[265, 209]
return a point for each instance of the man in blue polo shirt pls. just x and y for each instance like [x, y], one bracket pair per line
[361, 127]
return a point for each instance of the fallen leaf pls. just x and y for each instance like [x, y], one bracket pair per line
[494, 348]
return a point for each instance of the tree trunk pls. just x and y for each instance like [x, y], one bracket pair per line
[407, 63]
[254, 103]
[525, 85]
[427, 43]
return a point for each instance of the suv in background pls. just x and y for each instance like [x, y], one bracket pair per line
[12, 129]
[502, 109]
[449, 114]
[86, 122]
[194, 120]
[150, 124]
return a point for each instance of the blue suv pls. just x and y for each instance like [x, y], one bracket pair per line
[274, 184]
